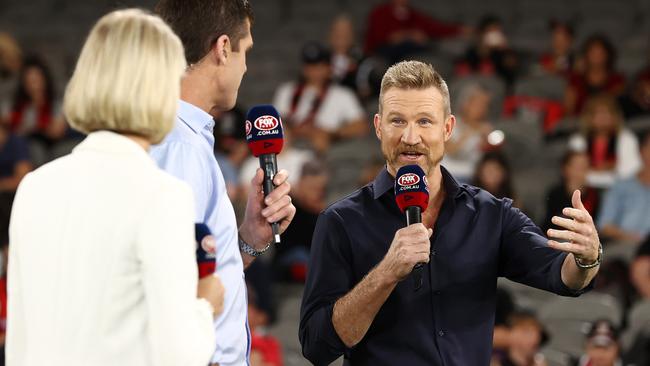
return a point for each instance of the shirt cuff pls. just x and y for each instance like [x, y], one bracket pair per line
[559, 287]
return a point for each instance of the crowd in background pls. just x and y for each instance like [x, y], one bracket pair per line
[593, 123]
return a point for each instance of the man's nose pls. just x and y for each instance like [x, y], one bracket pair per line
[411, 135]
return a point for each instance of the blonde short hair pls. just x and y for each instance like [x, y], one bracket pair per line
[127, 78]
[414, 75]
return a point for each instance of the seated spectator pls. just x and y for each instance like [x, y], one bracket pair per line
[35, 112]
[594, 74]
[491, 53]
[317, 110]
[625, 215]
[346, 54]
[612, 149]
[265, 348]
[526, 337]
[640, 271]
[11, 61]
[636, 103]
[469, 138]
[559, 59]
[397, 30]
[291, 158]
[493, 174]
[309, 198]
[601, 348]
[575, 167]
[14, 160]
[230, 148]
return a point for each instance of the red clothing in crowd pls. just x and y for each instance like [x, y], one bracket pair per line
[386, 20]
[614, 85]
[269, 347]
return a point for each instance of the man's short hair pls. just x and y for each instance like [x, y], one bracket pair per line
[414, 75]
[199, 23]
[127, 78]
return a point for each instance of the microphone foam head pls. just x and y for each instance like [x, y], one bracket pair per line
[264, 130]
[411, 188]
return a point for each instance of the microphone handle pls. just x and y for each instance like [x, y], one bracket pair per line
[414, 216]
[269, 165]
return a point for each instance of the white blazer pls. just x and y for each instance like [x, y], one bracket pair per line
[102, 269]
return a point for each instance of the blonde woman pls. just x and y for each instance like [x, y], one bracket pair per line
[102, 268]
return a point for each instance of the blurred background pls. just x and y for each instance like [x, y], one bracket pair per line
[550, 96]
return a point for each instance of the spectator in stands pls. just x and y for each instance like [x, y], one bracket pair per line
[265, 348]
[309, 198]
[230, 148]
[575, 167]
[291, 158]
[601, 348]
[35, 111]
[491, 54]
[469, 139]
[526, 337]
[493, 174]
[11, 61]
[559, 59]
[397, 30]
[612, 149]
[595, 74]
[317, 110]
[625, 214]
[346, 54]
[640, 271]
[636, 103]
[14, 160]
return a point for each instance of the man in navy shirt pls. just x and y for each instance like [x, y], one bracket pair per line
[364, 300]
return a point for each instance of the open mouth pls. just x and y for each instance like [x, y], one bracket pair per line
[410, 155]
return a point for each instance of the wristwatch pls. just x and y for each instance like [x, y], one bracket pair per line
[244, 247]
[595, 263]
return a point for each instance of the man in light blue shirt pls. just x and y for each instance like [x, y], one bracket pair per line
[216, 36]
[625, 214]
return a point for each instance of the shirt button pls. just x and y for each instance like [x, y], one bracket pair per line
[437, 292]
[441, 333]
[433, 252]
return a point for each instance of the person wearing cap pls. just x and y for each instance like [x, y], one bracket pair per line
[601, 347]
[314, 108]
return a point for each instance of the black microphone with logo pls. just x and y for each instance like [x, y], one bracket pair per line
[412, 197]
[265, 140]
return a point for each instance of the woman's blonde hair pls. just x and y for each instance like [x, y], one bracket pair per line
[600, 100]
[127, 78]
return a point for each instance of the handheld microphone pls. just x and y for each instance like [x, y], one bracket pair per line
[206, 261]
[265, 140]
[412, 194]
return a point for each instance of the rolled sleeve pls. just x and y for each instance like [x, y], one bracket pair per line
[526, 257]
[329, 278]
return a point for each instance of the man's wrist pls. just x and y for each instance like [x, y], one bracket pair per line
[384, 277]
[587, 263]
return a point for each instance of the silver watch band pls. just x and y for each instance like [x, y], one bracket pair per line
[246, 248]
[595, 263]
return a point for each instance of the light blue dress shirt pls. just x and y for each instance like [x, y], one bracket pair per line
[187, 153]
[627, 205]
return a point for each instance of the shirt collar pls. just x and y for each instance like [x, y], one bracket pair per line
[194, 117]
[113, 143]
[385, 182]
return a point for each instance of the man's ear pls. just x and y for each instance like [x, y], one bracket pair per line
[377, 122]
[221, 50]
[450, 123]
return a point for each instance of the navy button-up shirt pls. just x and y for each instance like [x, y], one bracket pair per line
[441, 314]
